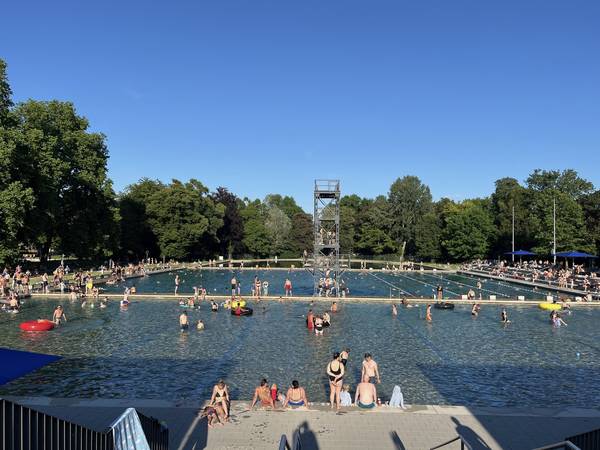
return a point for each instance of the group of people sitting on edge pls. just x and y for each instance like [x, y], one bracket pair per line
[575, 277]
[217, 410]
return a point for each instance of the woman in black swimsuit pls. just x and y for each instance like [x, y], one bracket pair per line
[335, 371]
[220, 396]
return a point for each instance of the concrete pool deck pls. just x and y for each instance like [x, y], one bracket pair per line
[340, 301]
[419, 427]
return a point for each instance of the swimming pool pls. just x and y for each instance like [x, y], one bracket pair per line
[361, 284]
[140, 353]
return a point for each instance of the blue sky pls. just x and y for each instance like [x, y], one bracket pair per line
[264, 96]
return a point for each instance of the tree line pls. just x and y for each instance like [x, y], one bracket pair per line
[56, 196]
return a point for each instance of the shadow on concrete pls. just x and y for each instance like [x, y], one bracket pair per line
[196, 435]
[468, 434]
[308, 439]
[398, 445]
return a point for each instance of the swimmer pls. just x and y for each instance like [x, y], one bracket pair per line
[191, 303]
[344, 355]
[200, 325]
[504, 316]
[394, 310]
[318, 326]
[335, 372]
[334, 307]
[310, 320]
[475, 309]
[213, 306]
[326, 319]
[104, 302]
[370, 369]
[59, 315]
[183, 321]
[428, 313]
[176, 284]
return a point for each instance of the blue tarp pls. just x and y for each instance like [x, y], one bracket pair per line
[574, 254]
[15, 363]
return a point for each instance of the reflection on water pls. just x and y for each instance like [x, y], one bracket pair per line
[456, 359]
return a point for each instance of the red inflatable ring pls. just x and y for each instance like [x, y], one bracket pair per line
[37, 325]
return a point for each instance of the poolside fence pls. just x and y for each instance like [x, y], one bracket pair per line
[24, 428]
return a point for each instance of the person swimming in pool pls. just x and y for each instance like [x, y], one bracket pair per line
[428, 313]
[366, 394]
[213, 306]
[295, 396]
[59, 315]
[504, 316]
[394, 310]
[475, 310]
[183, 321]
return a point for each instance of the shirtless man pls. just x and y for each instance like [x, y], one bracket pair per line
[334, 307]
[176, 284]
[366, 394]
[370, 368]
[183, 321]
[263, 393]
[233, 286]
[394, 310]
[58, 315]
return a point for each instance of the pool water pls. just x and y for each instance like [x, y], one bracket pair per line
[141, 353]
[361, 284]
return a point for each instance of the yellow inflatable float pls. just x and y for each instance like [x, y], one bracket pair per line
[235, 304]
[549, 306]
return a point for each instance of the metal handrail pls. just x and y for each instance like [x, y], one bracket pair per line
[559, 445]
[283, 443]
[463, 443]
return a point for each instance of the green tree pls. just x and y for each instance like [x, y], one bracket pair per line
[469, 231]
[590, 204]
[409, 200]
[257, 240]
[373, 237]
[65, 167]
[300, 237]
[231, 234]
[5, 95]
[428, 238]
[184, 219]
[278, 225]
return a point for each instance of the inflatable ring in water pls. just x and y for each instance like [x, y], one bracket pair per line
[240, 303]
[549, 306]
[37, 325]
[445, 305]
[243, 312]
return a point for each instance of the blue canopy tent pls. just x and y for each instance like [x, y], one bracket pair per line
[573, 254]
[520, 254]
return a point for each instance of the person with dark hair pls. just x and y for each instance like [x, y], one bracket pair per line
[296, 396]
[370, 368]
[335, 371]
[263, 393]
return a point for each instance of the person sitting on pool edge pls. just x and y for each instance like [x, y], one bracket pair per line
[296, 396]
[262, 393]
[366, 394]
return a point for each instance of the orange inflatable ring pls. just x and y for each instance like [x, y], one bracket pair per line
[37, 325]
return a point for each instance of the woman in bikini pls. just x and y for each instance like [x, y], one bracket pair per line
[296, 396]
[335, 371]
[220, 396]
[262, 393]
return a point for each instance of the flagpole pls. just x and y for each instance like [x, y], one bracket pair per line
[513, 234]
[554, 231]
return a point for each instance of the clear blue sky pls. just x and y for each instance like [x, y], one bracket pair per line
[264, 96]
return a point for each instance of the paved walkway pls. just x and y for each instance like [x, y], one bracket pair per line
[420, 427]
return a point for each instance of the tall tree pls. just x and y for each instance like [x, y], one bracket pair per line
[65, 167]
[5, 95]
[278, 224]
[590, 204]
[428, 238]
[373, 236]
[257, 239]
[300, 237]
[409, 200]
[469, 231]
[231, 234]
[185, 219]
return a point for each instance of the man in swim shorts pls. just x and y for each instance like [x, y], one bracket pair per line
[183, 321]
[366, 394]
[370, 368]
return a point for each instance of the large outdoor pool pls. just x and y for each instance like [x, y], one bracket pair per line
[141, 352]
[361, 284]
